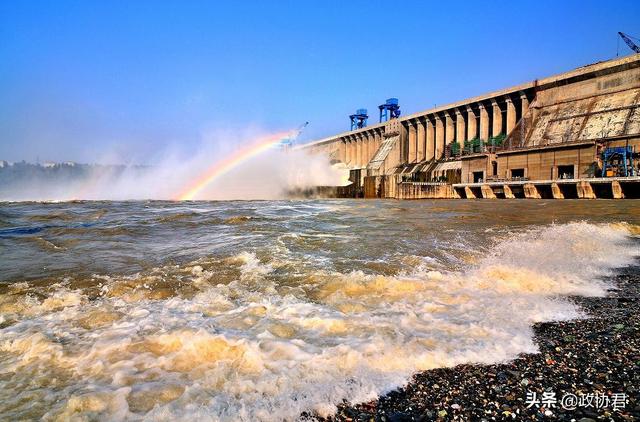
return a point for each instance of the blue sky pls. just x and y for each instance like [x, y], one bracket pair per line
[80, 78]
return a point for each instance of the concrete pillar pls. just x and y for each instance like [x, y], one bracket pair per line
[487, 192]
[430, 148]
[368, 142]
[347, 151]
[511, 115]
[556, 192]
[531, 191]
[365, 149]
[508, 193]
[421, 139]
[585, 191]
[412, 158]
[497, 118]
[354, 151]
[372, 145]
[357, 148]
[471, 124]
[377, 143]
[616, 190]
[484, 123]
[402, 146]
[524, 103]
[469, 193]
[450, 129]
[439, 138]
[460, 128]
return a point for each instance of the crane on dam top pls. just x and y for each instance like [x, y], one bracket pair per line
[627, 39]
[389, 110]
[289, 141]
[359, 120]
[299, 130]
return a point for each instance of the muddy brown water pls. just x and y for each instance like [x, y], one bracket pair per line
[260, 310]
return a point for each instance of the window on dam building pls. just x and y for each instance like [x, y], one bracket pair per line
[565, 172]
[515, 173]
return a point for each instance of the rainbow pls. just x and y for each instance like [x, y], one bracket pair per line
[223, 166]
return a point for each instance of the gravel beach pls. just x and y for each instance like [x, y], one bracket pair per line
[586, 370]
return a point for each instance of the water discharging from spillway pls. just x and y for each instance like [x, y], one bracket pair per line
[259, 169]
[263, 310]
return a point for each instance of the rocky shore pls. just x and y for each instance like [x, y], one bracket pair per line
[587, 370]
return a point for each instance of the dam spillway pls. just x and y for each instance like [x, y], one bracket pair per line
[571, 135]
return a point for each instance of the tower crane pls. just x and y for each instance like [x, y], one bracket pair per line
[629, 42]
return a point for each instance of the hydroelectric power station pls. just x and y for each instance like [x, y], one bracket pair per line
[572, 135]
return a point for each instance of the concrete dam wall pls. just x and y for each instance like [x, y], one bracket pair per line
[572, 135]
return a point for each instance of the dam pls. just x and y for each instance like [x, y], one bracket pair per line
[571, 135]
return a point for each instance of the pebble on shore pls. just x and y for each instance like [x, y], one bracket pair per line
[587, 357]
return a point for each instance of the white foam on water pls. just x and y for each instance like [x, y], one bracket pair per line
[252, 349]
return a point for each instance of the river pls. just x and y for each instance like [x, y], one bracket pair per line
[261, 310]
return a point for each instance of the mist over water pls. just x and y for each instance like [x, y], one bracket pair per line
[243, 310]
[269, 175]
